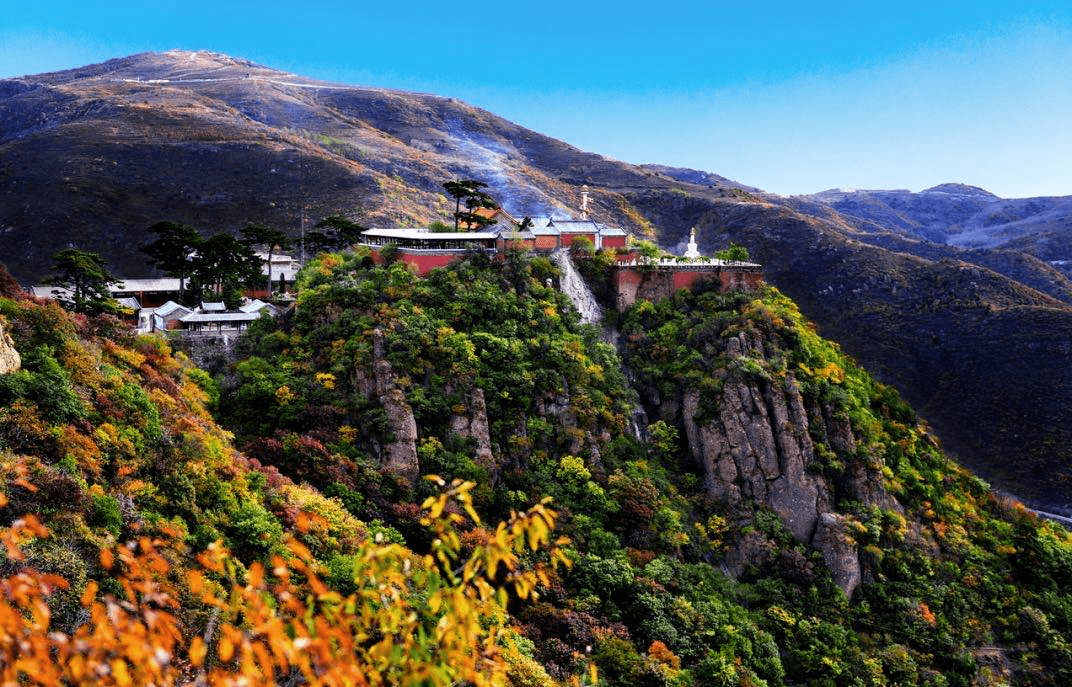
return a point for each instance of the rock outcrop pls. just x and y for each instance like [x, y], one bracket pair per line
[473, 424]
[755, 443]
[399, 450]
[834, 541]
[757, 446]
[10, 360]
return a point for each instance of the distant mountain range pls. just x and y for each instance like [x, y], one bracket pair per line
[964, 216]
[959, 298]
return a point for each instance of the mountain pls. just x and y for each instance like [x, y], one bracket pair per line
[964, 216]
[978, 340]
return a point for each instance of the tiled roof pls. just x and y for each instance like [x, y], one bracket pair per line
[44, 291]
[576, 226]
[146, 284]
[215, 317]
[169, 308]
[258, 305]
[424, 234]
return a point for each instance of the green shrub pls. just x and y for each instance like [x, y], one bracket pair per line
[106, 513]
[254, 532]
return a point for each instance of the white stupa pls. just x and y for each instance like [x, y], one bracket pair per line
[693, 250]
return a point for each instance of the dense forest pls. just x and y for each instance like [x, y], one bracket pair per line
[450, 480]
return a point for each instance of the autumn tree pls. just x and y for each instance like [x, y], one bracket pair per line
[438, 619]
[85, 282]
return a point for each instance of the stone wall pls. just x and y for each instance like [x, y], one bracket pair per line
[211, 351]
[655, 283]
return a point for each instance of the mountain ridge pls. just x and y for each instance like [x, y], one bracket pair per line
[93, 157]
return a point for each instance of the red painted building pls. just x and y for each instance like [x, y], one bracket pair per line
[654, 280]
[635, 277]
[427, 250]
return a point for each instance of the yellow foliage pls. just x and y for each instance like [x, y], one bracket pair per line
[332, 524]
[347, 433]
[831, 372]
[126, 355]
[412, 620]
[284, 395]
[81, 448]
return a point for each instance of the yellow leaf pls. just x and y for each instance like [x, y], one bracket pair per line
[120, 673]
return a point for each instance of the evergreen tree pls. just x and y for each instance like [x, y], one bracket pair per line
[735, 253]
[271, 238]
[87, 281]
[223, 265]
[469, 192]
[173, 251]
[335, 232]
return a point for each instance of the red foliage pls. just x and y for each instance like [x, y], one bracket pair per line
[638, 558]
[9, 288]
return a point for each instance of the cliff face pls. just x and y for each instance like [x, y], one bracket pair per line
[771, 424]
[849, 543]
[398, 450]
[754, 441]
[947, 333]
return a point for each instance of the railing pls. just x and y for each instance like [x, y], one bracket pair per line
[691, 264]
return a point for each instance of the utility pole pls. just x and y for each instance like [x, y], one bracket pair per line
[303, 233]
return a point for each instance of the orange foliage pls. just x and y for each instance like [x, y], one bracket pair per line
[927, 614]
[413, 620]
[660, 653]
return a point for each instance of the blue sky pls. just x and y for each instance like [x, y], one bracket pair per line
[791, 97]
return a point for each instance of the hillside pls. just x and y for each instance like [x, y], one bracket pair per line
[140, 547]
[92, 157]
[752, 508]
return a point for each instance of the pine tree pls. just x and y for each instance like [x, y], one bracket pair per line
[85, 280]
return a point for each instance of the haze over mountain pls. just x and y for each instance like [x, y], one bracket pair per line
[966, 217]
[912, 285]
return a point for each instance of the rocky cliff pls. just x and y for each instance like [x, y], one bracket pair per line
[772, 514]
[755, 443]
[10, 361]
[377, 380]
[773, 423]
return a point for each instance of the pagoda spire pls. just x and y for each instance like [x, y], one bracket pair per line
[693, 251]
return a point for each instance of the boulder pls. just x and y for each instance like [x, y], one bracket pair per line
[10, 360]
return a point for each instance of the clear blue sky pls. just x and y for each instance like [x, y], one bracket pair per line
[793, 97]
